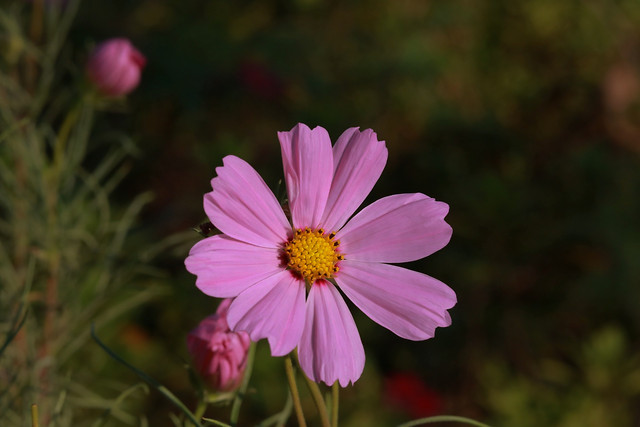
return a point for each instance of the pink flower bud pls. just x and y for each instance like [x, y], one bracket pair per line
[115, 66]
[219, 354]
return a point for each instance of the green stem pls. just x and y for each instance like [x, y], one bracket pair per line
[317, 398]
[52, 184]
[34, 415]
[319, 401]
[242, 391]
[162, 389]
[52, 198]
[335, 401]
[63, 137]
[293, 387]
[444, 419]
[215, 422]
[201, 408]
[279, 419]
[17, 323]
[283, 416]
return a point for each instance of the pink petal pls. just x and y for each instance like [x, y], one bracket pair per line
[243, 207]
[307, 161]
[399, 228]
[409, 303]
[330, 349]
[272, 309]
[358, 161]
[225, 266]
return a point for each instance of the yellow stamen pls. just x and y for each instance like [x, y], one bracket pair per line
[312, 254]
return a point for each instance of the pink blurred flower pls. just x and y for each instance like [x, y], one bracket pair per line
[219, 354]
[265, 261]
[407, 392]
[114, 67]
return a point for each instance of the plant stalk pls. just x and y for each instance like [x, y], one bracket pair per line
[293, 387]
[242, 391]
[335, 402]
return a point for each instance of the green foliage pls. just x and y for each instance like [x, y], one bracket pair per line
[65, 259]
[599, 390]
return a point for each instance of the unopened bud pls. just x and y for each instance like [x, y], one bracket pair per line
[115, 66]
[219, 355]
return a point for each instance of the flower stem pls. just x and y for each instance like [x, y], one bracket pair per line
[63, 137]
[319, 401]
[444, 419]
[237, 401]
[317, 398]
[201, 409]
[335, 401]
[293, 387]
[279, 419]
[162, 389]
[34, 415]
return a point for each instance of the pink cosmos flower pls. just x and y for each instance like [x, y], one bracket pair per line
[115, 67]
[285, 276]
[219, 354]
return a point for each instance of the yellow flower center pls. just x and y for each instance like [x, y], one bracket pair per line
[312, 255]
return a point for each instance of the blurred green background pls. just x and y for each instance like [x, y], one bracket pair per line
[522, 115]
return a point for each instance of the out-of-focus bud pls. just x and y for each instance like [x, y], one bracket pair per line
[219, 355]
[115, 66]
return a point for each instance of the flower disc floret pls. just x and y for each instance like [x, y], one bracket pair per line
[312, 254]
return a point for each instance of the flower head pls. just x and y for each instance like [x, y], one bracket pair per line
[115, 66]
[285, 275]
[219, 354]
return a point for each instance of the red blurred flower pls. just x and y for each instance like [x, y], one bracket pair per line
[115, 66]
[219, 355]
[405, 391]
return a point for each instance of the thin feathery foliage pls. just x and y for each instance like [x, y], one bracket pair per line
[66, 259]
